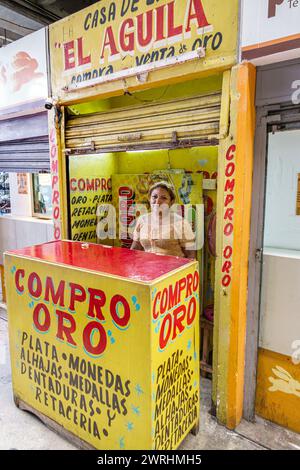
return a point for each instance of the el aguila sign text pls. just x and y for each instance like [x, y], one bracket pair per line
[113, 36]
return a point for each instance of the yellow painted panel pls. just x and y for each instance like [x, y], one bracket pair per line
[245, 121]
[111, 383]
[102, 40]
[197, 159]
[204, 86]
[89, 186]
[278, 389]
[177, 405]
[233, 232]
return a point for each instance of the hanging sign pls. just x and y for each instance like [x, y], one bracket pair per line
[23, 71]
[109, 37]
[270, 30]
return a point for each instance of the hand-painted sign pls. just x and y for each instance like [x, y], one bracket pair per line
[89, 188]
[270, 31]
[111, 359]
[110, 37]
[23, 71]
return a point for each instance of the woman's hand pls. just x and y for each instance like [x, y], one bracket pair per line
[190, 254]
[136, 246]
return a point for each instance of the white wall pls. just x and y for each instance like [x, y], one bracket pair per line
[20, 229]
[280, 303]
[258, 29]
[19, 232]
[20, 203]
[282, 225]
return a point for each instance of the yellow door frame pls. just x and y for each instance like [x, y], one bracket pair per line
[233, 235]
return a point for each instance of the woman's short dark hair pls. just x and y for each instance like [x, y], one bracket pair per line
[164, 185]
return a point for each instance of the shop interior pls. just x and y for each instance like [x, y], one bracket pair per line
[120, 143]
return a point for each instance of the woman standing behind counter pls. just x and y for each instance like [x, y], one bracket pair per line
[162, 231]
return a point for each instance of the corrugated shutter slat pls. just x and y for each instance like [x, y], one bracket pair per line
[24, 144]
[186, 119]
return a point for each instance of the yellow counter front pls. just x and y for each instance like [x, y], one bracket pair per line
[105, 343]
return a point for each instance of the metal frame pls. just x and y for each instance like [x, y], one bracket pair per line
[182, 144]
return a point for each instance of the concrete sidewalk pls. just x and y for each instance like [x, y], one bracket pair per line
[23, 431]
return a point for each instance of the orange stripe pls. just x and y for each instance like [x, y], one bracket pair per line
[271, 43]
[244, 165]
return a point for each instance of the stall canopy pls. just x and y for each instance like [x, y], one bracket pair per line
[24, 144]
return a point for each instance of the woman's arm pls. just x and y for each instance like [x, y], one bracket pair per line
[136, 246]
[190, 254]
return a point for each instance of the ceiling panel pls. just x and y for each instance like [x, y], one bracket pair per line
[21, 17]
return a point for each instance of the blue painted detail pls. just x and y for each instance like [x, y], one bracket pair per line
[154, 292]
[121, 328]
[35, 299]
[136, 410]
[42, 332]
[139, 389]
[89, 354]
[122, 442]
[129, 426]
[62, 341]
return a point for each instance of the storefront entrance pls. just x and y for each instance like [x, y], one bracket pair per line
[124, 145]
[278, 379]
[272, 385]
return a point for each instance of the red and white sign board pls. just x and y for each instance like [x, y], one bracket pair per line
[270, 30]
[23, 72]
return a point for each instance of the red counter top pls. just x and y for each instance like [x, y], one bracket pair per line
[121, 262]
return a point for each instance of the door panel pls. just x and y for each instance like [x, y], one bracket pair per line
[278, 374]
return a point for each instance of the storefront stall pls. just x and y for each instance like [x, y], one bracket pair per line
[148, 91]
[145, 88]
[272, 380]
[96, 353]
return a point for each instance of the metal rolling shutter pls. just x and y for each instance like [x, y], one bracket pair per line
[24, 144]
[177, 123]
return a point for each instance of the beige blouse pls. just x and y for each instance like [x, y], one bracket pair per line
[167, 235]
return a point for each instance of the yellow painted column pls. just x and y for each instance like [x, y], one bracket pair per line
[233, 234]
[58, 175]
